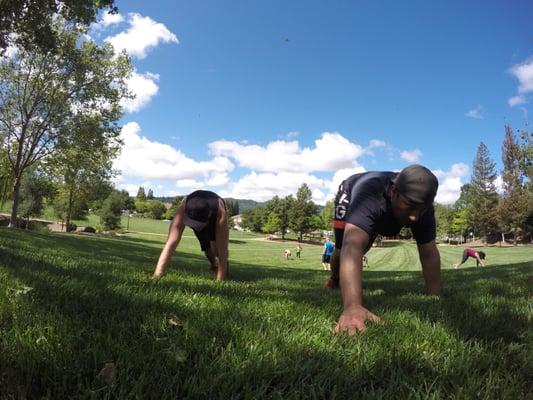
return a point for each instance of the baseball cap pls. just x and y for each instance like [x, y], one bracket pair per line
[417, 183]
[197, 213]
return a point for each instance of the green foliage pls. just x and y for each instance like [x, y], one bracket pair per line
[253, 219]
[34, 189]
[232, 207]
[173, 207]
[156, 209]
[327, 215]
[444, 218]
[112, 210]
[272, 223]
[150, 195]
[483, 211]
[50, 101]
[141, 195]
[515, 206]
[302, 211]
[71, 304]
[32, 20]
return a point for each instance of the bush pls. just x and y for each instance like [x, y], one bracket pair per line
[111, 211]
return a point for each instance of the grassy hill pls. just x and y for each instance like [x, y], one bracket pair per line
[81, 317]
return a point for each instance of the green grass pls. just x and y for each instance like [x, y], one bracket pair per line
[69, 304]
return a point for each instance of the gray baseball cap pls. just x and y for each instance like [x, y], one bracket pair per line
[417, 183]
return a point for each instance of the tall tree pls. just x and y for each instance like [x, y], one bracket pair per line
[302, 211]
[150, 195]
[141, 195]
[513, 207]
[41, 92]
[29, 22]
[483, 213]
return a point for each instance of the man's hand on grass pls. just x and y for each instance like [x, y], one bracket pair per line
[353, 320]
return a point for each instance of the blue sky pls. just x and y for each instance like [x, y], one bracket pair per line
[252, 98]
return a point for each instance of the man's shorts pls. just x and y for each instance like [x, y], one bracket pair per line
[206, 236]
[326, 258]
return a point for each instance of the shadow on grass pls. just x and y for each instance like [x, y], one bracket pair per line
[110, 316]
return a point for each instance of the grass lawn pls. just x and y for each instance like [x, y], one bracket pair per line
[80, 317]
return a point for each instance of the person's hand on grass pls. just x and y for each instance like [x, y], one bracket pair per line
[353, 320]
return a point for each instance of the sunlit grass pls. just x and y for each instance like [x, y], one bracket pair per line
[69, 304]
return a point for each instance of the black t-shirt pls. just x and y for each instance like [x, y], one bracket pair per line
[370, 209]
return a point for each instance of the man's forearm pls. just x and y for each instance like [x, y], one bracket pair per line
[431, 271]
[351, 278]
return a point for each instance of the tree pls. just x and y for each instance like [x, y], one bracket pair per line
[140, 194]
[173, 207]
[272, 223]
[302, 211]
[41, 92]
[84, 157]
[150, 195]
[129, 204]
[112, 211]
[327, 215]
[512, 208]
[443, 218]
[253, 219]
[34, 189]
[156, 209]
[30, 22]
[483, 212]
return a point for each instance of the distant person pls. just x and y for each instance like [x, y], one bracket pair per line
[287, 253]
[365, 261]
[205, 213]
[299, 251]
[479, 256]
[326, 254]
[373, 203]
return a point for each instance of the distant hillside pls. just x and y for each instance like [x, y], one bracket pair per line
[243, 204]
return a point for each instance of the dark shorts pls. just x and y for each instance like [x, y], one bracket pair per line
[326, 258]
[206, 236]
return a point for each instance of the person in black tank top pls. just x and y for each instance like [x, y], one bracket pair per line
[375, 203]
[205, 213]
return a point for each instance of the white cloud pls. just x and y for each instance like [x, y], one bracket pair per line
[144, 87]
[498, 182]
[331, 152]
[476, 113]
[107, 20]
[376, 143]
[145, 159]
[411, 156]
[143, 35]
[516, 100]
[264, 186]
[524, 73]
[450, 183]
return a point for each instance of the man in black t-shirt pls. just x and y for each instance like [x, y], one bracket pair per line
[382, 203]
[205, 213]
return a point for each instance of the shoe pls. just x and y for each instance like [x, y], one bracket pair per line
[331, 284]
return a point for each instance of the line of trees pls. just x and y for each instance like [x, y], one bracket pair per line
[298, 214]
[480, 210]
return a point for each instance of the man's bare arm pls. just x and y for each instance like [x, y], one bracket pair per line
[430, 260]
[174, 236]
[354, 314]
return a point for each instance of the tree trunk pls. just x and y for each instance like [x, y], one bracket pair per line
[13, 220]
[514, 237]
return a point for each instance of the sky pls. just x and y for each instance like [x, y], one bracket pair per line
[251, 99]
